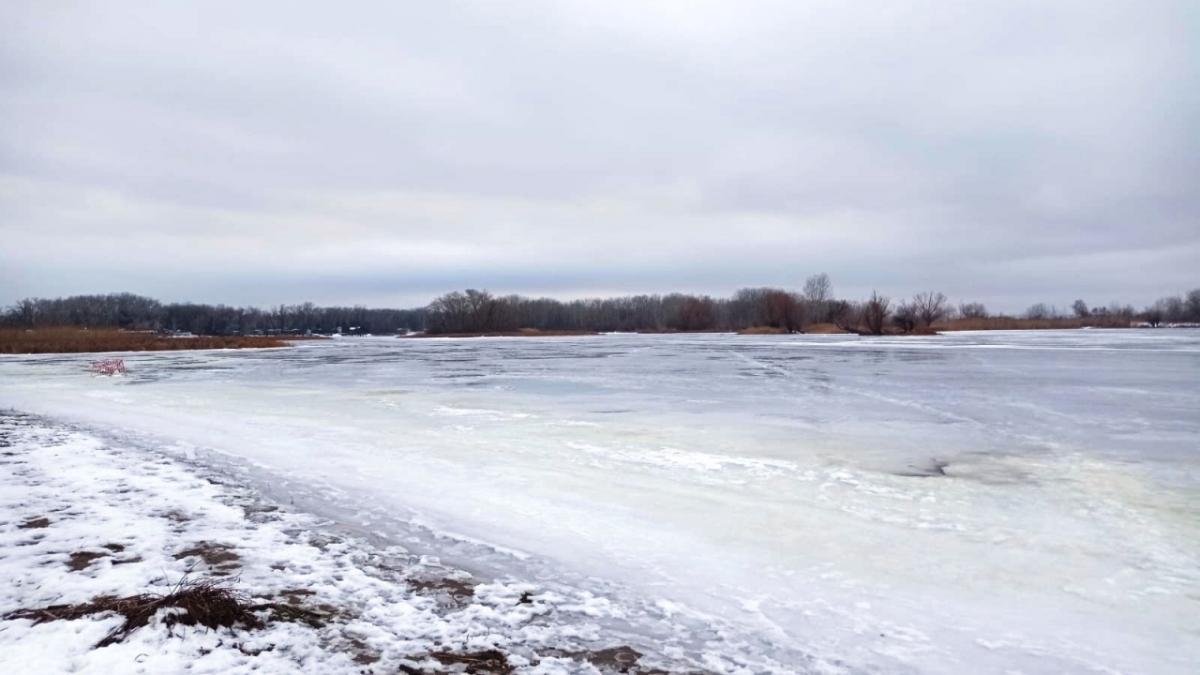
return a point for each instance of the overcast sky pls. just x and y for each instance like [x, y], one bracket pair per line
[384, 152]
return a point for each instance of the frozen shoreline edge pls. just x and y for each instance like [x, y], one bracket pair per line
[189, 520]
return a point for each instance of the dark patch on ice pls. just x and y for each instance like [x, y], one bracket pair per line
[323, 541]
[176, 516]
[80, 560]
[35, 523]
[260, 513]
[935, 468]
[115, 548]
[363, 654]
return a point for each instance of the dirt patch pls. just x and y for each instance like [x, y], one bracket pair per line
[220, 558]
[176, 516]
[447, 590]
[35, 523]
[622, 659]
[80, 560]
[260, 513]
[324, 541]
[201, 603]
[364, 655]
[292, 613]
[487, 662]
[296, 595]
[294, 609]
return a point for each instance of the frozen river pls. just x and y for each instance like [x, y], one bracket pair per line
[991, 502]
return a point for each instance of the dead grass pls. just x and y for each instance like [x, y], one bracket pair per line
[203, 603]
[447, 591]
[1010, 323]
[824, 329]
[762, 330]
[80, 560]
[489, 662]
[524, 332]
[219, 558]
[200, 603]
[75, 340]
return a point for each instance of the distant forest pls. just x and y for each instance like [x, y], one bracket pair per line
[474, 311]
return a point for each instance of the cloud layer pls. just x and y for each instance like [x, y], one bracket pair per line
[382, 152]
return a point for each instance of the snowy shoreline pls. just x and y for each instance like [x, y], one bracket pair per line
[81, 519]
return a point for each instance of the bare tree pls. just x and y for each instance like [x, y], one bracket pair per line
[905, 317]
[818, 291]
[1173, 308]
[875, 313]
[1192, 305]
[1040, 311]
[929, 307]
[844, 315]
[972, 310]
[1154, 314]
[1081, 309]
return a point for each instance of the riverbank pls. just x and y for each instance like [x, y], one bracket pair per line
[81, 340]
[92, 534]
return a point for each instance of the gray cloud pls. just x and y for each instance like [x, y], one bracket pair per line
[378, 152]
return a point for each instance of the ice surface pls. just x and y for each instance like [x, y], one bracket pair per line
[983, 501]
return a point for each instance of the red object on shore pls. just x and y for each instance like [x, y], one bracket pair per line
[109, 367]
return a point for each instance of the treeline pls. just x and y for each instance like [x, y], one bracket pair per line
[774, 309]
[135, 312]
[475, 311]
[814, 307]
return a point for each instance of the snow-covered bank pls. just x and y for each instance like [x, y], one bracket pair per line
[80, 519]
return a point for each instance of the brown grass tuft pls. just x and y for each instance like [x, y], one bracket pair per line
[487, 662]
[203, 603]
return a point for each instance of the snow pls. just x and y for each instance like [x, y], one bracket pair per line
[990, 501]
[150, 520]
